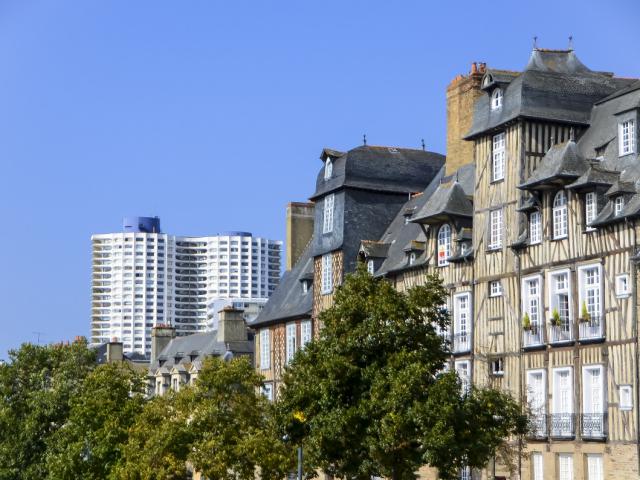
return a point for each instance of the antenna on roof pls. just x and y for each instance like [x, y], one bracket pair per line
[422, 139]
[570, 42]
[535, 43]
[364, 138]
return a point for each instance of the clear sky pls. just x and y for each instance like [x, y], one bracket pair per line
[212, 114]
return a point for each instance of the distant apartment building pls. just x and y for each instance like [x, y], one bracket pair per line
[143, 278]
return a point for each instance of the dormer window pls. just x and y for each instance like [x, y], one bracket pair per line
[412, 258]
[328, 169]
[327, 226]
[496, 99]
[560, 227]
[370, 267]
[618, 205]
[626, 137]
[305, 286]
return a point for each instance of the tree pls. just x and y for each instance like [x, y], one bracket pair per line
[222, 427]
[88, 445]
[373, 393]
[36, 386]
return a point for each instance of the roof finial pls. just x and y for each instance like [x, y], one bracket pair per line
[422, 139]
[364, 138]
[570, 42]
[572, 134]
[535, 43]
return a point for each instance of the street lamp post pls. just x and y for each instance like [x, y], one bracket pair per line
[300, 462]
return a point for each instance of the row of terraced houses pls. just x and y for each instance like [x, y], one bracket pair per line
[532, 224]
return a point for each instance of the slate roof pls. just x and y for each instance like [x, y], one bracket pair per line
[561, 163]
[288, 301]
[451, 199]
[196, 347]
[374, 249]
[595, 176]
[390, 169]
[554, 86]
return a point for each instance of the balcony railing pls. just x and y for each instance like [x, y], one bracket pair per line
[562, 425]
[533, 336]
[461, 342]
[594, 425]
[538, 426]
[559, 334]
[591, 330]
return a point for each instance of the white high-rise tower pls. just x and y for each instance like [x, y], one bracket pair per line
[143, 278]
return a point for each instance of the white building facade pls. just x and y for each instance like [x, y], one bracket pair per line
[143, 278]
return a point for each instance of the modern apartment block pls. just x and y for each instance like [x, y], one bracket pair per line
[143, 278]
[533, 227]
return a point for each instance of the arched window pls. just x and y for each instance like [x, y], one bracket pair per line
[444, 245]
[328, 169]
[560, 215]
[496, 99]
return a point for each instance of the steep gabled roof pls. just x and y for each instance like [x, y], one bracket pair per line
[595, 176]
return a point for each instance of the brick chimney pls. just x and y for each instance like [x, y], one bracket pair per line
[462, 93]
[299, 230]
[161, 335]
[231, 325]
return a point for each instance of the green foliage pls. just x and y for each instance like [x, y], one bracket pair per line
[222, 427]
[373, 397]
[584, 314]
[556, 321]
[88, 444]
[36, 388]
[526, 321]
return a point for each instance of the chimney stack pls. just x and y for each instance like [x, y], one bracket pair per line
[231, 326]
[114, 351]
[462, 94]
[299, 230]
[161, 335]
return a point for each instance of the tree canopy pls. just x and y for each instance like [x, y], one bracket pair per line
[374, 394]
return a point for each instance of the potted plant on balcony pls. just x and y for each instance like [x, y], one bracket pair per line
[585, 316]
[556, 320]
[526, 322]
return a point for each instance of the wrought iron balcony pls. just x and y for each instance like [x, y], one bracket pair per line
[533, 336]
[594, 425]
[562, 425]
[538, 426]
[560, 334]
[591, 330]
[461, 342]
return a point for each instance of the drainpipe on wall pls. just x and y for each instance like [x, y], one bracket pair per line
[634, 332]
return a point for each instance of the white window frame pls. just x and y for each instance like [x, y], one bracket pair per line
[594, 303]
[587, 394]
[590, 209]
[495, 289]
[532, 302]
[327, 274]
[498, 156]
[328, 168]
[595, 469]
[537, 466]
[535, 227]
[625, 397]
[327, 219]
[623, 287]
[560, 215]
[370, 266]
[554, 292]
[290, 346]
[556, 400]
[496, 99]
[496, 226]
[305, 286]
[463, 369]
[565, 466]
[265, 349]
[412, 258]
[618, 205]
[627, 137]
[462, 319]
[444, 245]
[306, 333]
[537, 401]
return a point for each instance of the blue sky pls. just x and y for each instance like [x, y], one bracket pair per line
[212, 114]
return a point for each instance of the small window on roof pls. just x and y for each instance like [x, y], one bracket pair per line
[328, 169]
[496, 99]
[618, 205]
[370, 266]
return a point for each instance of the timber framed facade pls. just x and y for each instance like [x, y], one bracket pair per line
[536, 236]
